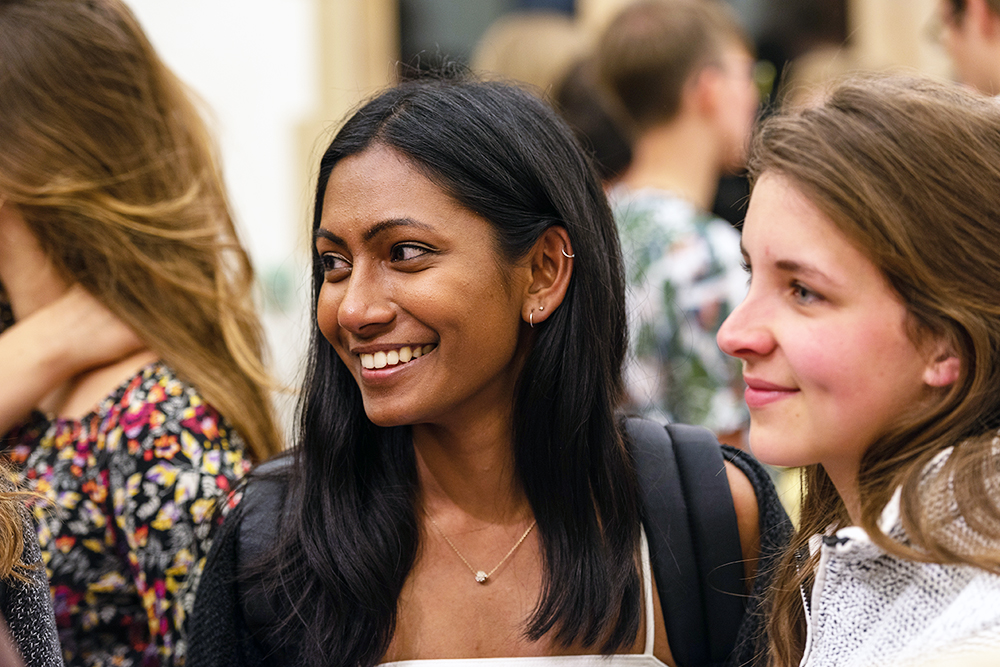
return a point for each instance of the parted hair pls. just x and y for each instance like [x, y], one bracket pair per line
[908, 169]
[113, 170]
[651, 49]
[350, 535]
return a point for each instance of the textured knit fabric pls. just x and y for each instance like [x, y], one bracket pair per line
[684, 276]
[870, 609]
[27, 608]
[132, 489]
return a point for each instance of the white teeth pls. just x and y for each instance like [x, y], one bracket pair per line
[394, 357]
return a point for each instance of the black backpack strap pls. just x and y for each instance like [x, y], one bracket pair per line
[716, 535]
[693, 539]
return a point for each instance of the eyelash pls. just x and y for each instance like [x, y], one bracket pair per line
[328, 258]
[803, 294]
[398, 249]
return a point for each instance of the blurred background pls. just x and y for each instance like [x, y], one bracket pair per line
[276, 79]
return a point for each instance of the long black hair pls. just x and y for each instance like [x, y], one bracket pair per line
[350, 535]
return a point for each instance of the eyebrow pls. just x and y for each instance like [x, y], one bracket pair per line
[376, 229]
[791, 266]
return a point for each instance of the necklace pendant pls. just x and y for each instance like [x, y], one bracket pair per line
[481, 577]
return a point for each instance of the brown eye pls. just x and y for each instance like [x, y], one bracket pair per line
[406, 251]
[332, 262]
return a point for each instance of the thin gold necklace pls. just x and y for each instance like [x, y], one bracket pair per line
[481, 576]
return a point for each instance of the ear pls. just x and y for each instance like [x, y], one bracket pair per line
[551, 268]
[703, 91]
[979, 18]
[944, 366]
[991, 21]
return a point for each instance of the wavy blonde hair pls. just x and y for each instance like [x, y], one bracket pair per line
[909, 171]
[14, 525]
[113, 170]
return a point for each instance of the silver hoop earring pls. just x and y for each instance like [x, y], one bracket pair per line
[531, 318]
[563, 250]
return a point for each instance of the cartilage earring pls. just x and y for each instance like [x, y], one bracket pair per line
[567, 255]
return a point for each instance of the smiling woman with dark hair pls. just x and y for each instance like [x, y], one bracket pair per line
[461, 486]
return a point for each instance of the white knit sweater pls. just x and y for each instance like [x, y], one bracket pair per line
[870, 609]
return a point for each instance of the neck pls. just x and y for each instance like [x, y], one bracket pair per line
[469, 472]
[681, 157]
[845, 479]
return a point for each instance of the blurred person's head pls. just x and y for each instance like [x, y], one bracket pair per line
[595, 118]
[971, 34]
[668, 59]
[109, 166]
[530, 47]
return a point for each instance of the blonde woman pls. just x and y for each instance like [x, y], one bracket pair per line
[137, 395]
[27, 626]
[870, 342]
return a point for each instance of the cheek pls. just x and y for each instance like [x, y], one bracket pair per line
[327, 307]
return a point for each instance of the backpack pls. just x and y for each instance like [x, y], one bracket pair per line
[694, 541]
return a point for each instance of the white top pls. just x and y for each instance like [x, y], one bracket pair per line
[871, 609]
[644, 659]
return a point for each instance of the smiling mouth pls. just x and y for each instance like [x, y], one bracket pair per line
[384, 358]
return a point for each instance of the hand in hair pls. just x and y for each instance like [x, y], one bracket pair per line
[72, 334]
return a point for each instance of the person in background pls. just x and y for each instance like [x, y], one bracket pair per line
[971, 35]
[682, 70]
[595, 118]
[134, 393]
[870, 343]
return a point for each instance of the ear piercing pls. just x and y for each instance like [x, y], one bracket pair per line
[531, 316]
[567, 256]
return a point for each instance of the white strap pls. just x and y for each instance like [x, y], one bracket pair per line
[647, 586]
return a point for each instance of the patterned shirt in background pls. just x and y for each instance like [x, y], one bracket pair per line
[134, 486]
[684, 275]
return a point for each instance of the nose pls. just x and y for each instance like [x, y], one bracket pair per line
[365, 307]
[747, 332]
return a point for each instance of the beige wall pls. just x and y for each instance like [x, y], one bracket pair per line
[897, 33]
[358, 47]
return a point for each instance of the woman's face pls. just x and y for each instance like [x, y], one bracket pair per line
[413, 299]
[827, 358]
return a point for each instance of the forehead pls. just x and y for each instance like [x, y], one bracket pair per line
[380, 184]
[783, 224]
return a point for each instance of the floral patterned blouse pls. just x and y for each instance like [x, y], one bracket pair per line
[133, 489]
[685, 275]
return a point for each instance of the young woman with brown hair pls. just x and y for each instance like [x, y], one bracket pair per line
[870, 342]
[134, 351]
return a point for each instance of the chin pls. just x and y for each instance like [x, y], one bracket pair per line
[772, 450]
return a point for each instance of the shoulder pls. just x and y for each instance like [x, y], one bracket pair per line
[261, 507]
[160, 413]
[747, 510]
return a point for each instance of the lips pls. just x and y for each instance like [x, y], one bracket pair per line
[760, 393]
[393, 357]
